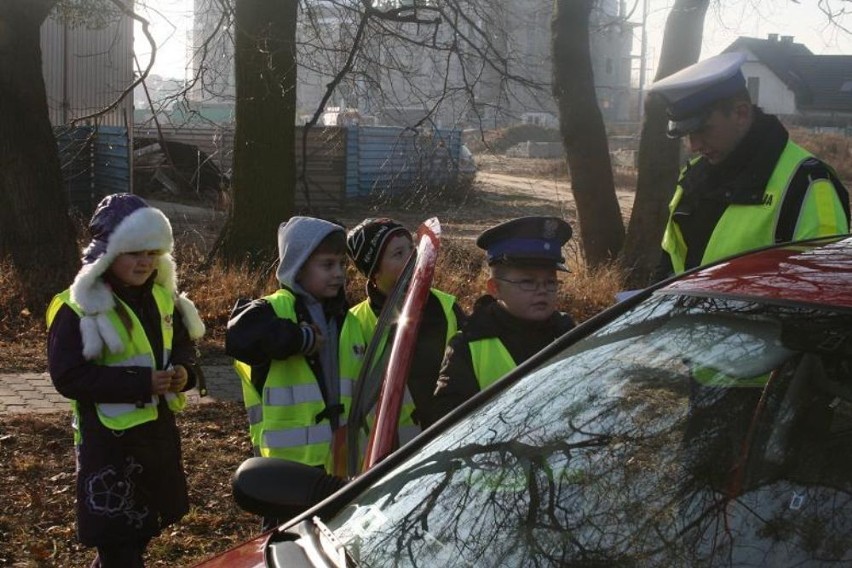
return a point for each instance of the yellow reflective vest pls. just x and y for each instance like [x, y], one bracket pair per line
[137, 352]
[283, 417]
[357, 332]
[491, 360]
[751, 226]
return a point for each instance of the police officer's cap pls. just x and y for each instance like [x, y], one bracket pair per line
[691, 92]
[527, 241]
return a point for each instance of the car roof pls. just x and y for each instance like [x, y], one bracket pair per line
[812, 272]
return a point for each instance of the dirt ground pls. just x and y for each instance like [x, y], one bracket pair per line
[496, 197]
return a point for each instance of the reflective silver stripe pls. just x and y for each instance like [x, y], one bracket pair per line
[288, 396]
[408, 433]
[111, 410]
[321, 433]
[255, 414]
[347, 386]
[406, 397]
[167, 356]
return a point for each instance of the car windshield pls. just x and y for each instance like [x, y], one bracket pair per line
[689, 431]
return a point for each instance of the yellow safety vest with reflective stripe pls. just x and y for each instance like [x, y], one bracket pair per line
[137, 352]
[491, 360]
[253, 404]
[291, 400]
[746, 227]
[359, 328]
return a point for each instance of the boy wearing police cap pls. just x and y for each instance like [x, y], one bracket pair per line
[750, 186]
[517, 317]
[379, 248]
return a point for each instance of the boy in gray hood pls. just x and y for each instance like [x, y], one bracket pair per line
[285, 346]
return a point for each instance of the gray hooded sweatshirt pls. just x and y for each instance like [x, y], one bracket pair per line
[297, 240]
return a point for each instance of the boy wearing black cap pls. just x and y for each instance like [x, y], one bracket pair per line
[517, 317]
[120, 346]
[750, 186]
[380, 248]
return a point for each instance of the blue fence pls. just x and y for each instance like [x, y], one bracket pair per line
[95, 162]
[385, 160]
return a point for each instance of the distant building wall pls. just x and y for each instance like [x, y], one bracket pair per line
[87, 70]
[412, 78]
[773, 95]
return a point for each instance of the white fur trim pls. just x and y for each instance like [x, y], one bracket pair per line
[167, 273]
[191, 319]
[92, 342]
[108, 333]
[144, 229]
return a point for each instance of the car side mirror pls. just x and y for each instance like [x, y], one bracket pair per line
[272, 487]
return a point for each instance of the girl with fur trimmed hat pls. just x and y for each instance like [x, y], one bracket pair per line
[120, 346]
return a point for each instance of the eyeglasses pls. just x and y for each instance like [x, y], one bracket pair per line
[530, 285]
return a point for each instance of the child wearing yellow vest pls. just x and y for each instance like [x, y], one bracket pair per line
[120, 346]
[517, 317]
[380, 248]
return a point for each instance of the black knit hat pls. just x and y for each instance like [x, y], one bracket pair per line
[366, 242]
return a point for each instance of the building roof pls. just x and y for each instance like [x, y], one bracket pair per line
[820, 82]
[827, 82]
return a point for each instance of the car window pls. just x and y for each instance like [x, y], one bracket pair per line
[688, 432]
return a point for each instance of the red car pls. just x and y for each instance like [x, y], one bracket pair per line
[706, 421]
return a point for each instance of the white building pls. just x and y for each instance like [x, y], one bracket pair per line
[785, 78]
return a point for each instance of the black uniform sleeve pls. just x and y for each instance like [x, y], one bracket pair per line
[76, 378]
[256, 335]
[664, 268]
[456, 381]
[461, 317]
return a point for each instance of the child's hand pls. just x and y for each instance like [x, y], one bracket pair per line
[319, 340]
[178, 379]
[161, 381]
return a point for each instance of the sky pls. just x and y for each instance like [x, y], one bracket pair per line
[171, 21]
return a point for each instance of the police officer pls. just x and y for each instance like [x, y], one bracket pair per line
[750, 186]
[517, 317]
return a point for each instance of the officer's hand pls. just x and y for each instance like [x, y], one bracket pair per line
[160, 381]
[178, 379]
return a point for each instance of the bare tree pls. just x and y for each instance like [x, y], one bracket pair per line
[35, 229]
[659, 156]
[583, 133]
[421, 59]
[264, 159]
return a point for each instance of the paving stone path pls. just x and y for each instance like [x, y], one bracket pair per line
[33, 392]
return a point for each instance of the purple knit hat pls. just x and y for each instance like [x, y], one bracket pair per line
[123, 223]
[114, 212]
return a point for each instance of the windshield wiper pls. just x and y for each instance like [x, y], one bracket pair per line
[331, 547]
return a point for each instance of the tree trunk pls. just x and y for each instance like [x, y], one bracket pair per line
[583, 133]
[659, 156]
[264, 182]
[35, 229]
